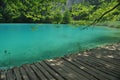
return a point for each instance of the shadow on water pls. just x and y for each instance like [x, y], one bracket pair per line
[107, 39]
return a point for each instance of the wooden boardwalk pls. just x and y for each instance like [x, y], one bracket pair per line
[95, 64]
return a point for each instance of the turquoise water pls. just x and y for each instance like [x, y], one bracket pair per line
[27, 43]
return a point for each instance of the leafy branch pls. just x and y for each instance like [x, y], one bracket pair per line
[98, 19]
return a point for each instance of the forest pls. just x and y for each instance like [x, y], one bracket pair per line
[56, 11]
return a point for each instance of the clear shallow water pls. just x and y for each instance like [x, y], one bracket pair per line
[27, 43]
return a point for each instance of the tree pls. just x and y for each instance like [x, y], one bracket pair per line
[99, 18]
[105, 13]
[81, 11]
[58, 17]
[67, 17]
[28, 10]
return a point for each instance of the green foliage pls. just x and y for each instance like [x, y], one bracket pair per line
[58, 17]
[54, 11]
[81, 22]
[81, 12]
[90, 12]
[67, 17]
[1, 18]
[105, 7]
[29, 10]
[48, 19]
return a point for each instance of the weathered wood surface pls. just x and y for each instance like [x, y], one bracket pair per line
[95, 64]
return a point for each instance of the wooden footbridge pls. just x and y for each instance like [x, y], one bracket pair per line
[95, 64]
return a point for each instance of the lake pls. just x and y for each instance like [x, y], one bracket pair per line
[27, 43]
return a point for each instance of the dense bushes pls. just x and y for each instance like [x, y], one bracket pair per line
[47, 11]
[58, 17]
[67, 17]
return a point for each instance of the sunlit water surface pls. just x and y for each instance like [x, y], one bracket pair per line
[27, 43]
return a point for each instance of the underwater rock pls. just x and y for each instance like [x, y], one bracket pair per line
[5, 51]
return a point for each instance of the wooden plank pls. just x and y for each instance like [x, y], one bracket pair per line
[99, 61]
[70, 66]
[10, 75]
[113, 61]
[90, 70]
[106, 53]
[38, 72]
[24, 74]
[106, 58]
[50, 77]
[80, 69]
[3, 75]
[17, 73]
[106, 65]
[59, 70]
[30, 72]
[52, 72]
[96, 69]
[102, 65]
[72, 74]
